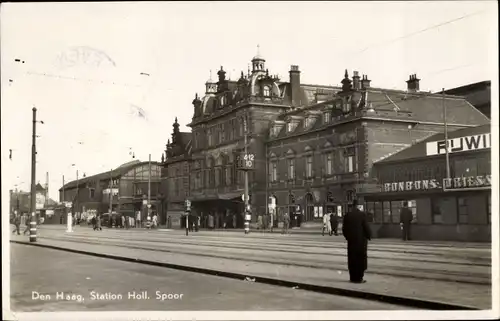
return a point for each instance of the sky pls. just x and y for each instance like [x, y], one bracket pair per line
[108, 79]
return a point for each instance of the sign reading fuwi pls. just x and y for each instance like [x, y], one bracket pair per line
[460, 144]
[447, 183]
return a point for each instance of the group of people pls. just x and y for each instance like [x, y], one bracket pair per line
[17, 224]
[330, 224]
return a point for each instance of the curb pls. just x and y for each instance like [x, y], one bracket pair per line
[403, 301]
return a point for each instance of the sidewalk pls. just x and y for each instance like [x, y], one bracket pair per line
[467, 295]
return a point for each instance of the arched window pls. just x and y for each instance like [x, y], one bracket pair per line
[267, 91]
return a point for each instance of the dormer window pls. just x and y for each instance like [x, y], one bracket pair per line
[267, 91]
[307, 122]
[326, 117]
[289, 127]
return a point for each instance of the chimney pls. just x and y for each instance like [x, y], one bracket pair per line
[413, 83]
[365, 82]
[295, 85]
[355, 81]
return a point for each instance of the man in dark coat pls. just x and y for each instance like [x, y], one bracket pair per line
[405, 219]
[357, 233]
[334, 222]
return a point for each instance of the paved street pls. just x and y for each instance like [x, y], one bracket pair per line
[85, 277]
[461, 272]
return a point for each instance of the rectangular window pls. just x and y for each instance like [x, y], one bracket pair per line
[274, 171]
[92, 193]
[463, 212]
[329, 164]
[217, 177]
[370, 208]
[377, 212]
[386, 207]
[289, 127]
[309, 166]
[412, 205]
[349, 160]
[291, 168]
[489, 208]
[438, 207]
[229, 178]
[326, 117]
[396, 210]
[465, 167]
[209, 137]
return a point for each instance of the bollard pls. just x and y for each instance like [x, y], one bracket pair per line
[69, 222]
[33, 230]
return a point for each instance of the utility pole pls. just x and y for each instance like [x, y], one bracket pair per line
[247, 214]
[110, 192]
[76, 200]
[63, 196]
[47, 190]
[148, 218]
[445, 121]
[33, 177]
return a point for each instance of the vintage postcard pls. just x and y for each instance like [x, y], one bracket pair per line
[250, 160]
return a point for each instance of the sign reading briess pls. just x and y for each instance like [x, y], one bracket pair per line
[447, 183]
[460, 144]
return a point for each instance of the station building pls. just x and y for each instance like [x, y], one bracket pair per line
[313, 146]
[128, 185]
[457, 207]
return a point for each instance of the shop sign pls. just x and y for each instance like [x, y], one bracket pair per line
[460, 144]
[467, 182]
[447, 183]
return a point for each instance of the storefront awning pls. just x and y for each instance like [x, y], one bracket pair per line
[217, 197]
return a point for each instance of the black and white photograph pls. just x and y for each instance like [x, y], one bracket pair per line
[250, 160]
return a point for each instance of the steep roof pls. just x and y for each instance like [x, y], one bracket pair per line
[419, 150]
[426, 107]
[115, 173]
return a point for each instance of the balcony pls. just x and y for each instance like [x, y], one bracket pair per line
[261, 100]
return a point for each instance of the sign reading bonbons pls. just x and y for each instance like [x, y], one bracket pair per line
[431, 184]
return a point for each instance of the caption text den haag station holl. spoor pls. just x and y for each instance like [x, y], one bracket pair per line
[106, 296]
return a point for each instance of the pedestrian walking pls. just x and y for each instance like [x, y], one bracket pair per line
[286, 223]
[334, 222]
[210, 221]
[27, 222]
[94, 223]
[326, 225]
[155, 221]
[98, 225]
[234, 220]
[357, 233]
[17, 224]
[123, 221]
[271, 221]
[259, 222]
[138, 219]
[405, 219]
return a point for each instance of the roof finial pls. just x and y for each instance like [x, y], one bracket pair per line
[176, 120]
[346, 75]
[258, 50]
[210, 74]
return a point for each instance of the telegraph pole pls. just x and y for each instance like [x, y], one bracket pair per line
[445, 121]
[247, 214]
[110, 192]
[149, 188]
[33, 177]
